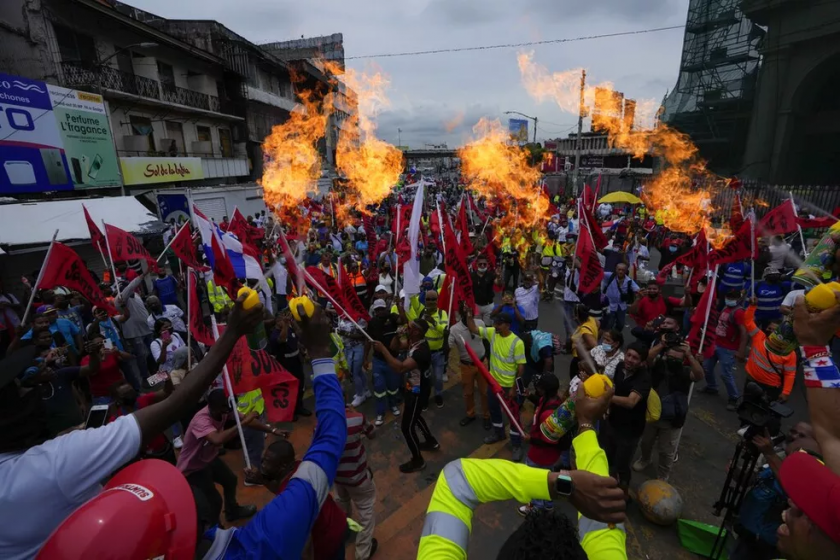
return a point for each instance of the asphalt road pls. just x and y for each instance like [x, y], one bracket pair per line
[708, 443]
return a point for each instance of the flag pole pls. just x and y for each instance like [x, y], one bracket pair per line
[798, 227]
[338, 306]
[752, 252]
[113, 268]
[231, 397]
[189, 310]
[38, 280]
[171, 241]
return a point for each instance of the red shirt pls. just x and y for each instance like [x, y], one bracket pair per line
[329, 528]
[545, 453]
[109, 373]
[727, 333]
[649, 310]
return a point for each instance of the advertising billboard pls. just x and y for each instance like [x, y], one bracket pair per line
[148, 170]
[518, 129]
[53, 138]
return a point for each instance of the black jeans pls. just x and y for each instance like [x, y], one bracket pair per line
[204, 483]
[413, 419]
[620, 449]
[771, 392]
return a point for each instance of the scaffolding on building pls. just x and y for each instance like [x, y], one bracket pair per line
[712, 101]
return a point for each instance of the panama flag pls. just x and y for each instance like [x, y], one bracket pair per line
[246, 263]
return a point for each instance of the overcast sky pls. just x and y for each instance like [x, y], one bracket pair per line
[429, 91]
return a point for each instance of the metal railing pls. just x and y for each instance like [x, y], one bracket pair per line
[180, 153]
[110, 78]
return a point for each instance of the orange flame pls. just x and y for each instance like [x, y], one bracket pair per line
[499, 170]
[371, 166]
[293, 163]
[682, 191]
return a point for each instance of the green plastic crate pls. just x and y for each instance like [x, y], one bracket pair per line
[699, 538]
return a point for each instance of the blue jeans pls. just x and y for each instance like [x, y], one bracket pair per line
[386, 386]
[140, 348]
[355, 356]
[438, 366]
[497, 417]
[614, 320]
[727, 371]
[539, 504]
[255, 441]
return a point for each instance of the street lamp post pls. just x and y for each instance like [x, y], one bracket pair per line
[99, 88]
[527, 117]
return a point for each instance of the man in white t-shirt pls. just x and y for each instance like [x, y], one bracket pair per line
[790, 301]
[43, 481]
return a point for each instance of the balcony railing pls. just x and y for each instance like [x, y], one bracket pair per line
[111, 78]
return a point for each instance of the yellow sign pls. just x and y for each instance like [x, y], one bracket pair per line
[146, 170]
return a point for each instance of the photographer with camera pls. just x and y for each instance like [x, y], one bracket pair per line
[673, 368]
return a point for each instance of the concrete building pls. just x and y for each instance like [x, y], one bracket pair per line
[167, 100]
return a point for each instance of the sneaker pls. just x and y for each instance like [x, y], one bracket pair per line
[732, 405]
[395, 410]
[432, 445]
[487, 424]
[640, 465]
[302, 411]
[439, 401]
[379, 420]
[495, 437]
[253, 478]
[445, 378]
[374, 546]
[709, 390]
[524, 510]
[357, 400]
[518, 453]
[413, 466]
[467, 420]
[241, 512]
[368, 395]
[177, 442]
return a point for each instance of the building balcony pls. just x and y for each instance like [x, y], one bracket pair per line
[108, 78]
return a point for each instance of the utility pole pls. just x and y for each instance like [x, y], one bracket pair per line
[399, 137]
[535, 130]
[581, 114]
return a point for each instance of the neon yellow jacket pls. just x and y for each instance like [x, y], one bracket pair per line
[218, 298]
[466, 483]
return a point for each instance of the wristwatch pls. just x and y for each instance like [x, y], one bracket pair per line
[564, 485]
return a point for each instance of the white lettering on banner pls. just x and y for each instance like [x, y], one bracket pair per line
[141, 492]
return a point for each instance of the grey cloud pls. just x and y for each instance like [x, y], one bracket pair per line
[426, 122]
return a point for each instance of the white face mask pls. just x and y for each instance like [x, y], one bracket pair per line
[482, 269]
[731, 302]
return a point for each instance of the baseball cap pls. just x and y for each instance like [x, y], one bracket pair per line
[45, 309]
[379, 304]
[503, 318]
[381, 288]
[814, 489]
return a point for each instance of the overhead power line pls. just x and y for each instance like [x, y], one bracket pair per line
[517, 45]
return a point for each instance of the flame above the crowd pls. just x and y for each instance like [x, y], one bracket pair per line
[293, 163]
[371, 166]
[682, 190]
[498, 170]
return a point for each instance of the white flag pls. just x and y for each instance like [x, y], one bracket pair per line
[411, 269]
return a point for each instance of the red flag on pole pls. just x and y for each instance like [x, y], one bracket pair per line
[598, 237]
[65, 268]
[223, 273]
[349, 295]
[184, 248]
[736, 219]
[511, 408]
[198, 328]
[591, 271]
[96, 236]
[126, 247]
[475, 209]
[738, 248]
[779, 220]
[464, 228]
[457, 265]
[329, 284]
[245, 232]
[823, 222]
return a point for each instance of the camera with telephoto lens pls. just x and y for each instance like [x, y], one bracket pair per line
[758, 413]
[671, 339]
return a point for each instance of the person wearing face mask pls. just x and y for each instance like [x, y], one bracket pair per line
[584, 338]
[528, 298]
[608, 354]
[124, 400]
[619, 290]
[773, 373]
[459, 337]
[673, 369]
[165, 345]
[770, 293]
[730, 345]
[483, 280]
[733, 277]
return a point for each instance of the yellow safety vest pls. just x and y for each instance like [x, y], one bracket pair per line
[339, 358]
[465, 483]
[218, 298]
[507, 353]
[250, 401]
[434, 336]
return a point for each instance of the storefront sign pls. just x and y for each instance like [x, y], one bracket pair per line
[53, 138]
[147, 170]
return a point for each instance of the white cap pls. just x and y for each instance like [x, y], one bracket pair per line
[381, 288]
[379, 304]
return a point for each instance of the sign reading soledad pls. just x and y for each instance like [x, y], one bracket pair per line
[147, 170]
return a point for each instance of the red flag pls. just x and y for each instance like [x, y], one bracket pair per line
[370, 232]
[779, 220]
[65, 268]
[823, 222]
[475, 209]
[351, 298]
[434, 222]
[257, 369]
[698, 319]
[457, 265]
[588, 198]
[96, 236]
[591, 271]
[332, 288]
[738, 248]
[126, 247]
[223, 273]
[464, 228]
[184, 248]
[598, 237]
[200, 331]
[291, 264]
[696, 258]
[736, 219]
[245, 232]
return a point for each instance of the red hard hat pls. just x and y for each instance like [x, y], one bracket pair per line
[146, 510]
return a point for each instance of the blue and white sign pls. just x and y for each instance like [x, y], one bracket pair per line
[174, 207]
[31, 148]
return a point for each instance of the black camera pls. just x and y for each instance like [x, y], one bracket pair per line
[671, 339]
[758, 413]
